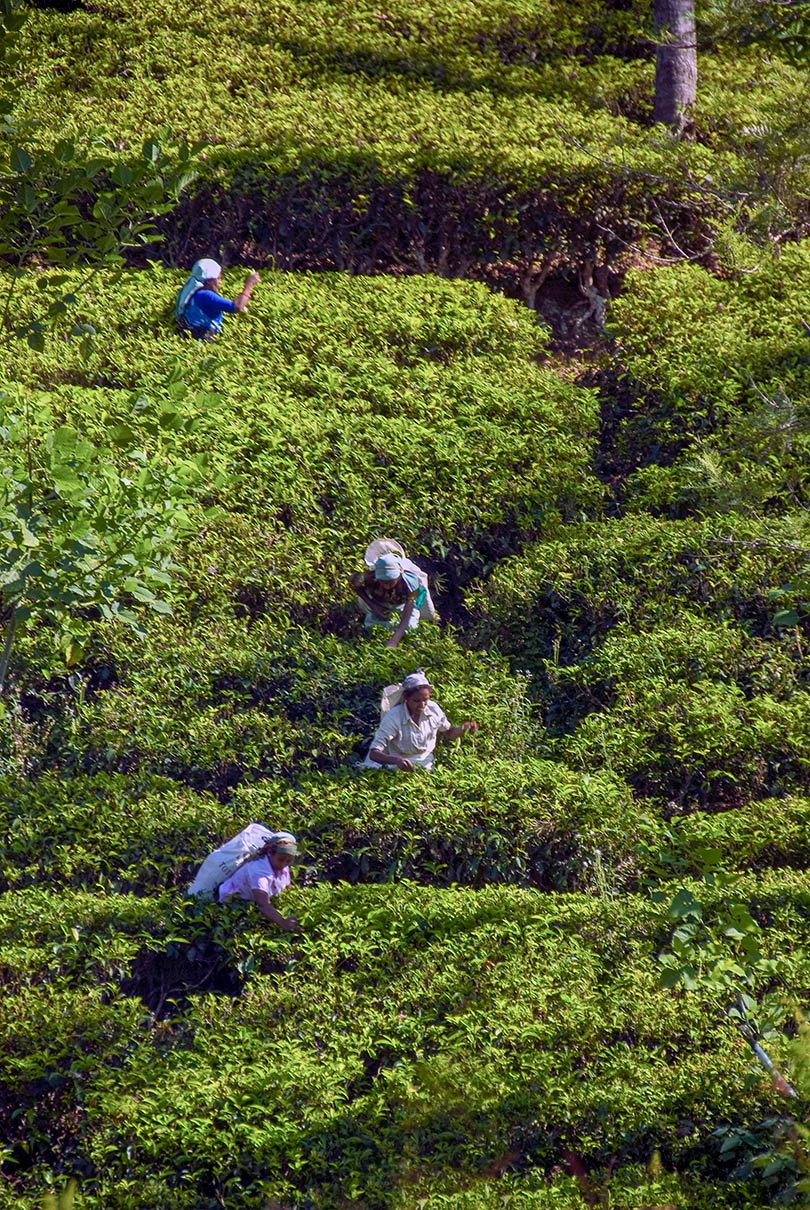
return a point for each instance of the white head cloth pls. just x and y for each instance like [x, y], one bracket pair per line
[415, 680]
[285, 841]
[392, 695]
[201, 271]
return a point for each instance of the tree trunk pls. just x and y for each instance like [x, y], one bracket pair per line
[675, 62]
[8, 643]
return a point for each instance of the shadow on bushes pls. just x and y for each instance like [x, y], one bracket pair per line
[165, 979]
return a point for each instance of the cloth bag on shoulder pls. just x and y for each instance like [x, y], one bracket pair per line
[391, 696]
[227, 859]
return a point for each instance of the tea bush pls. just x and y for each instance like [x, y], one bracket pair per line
[444, 141]
[760, 835]
[707, 746]
[526, 823]
[559, 600]
[719, 366]
[698, 687]
[245, 699]
[104, 831]
[724, 715]
[688, 650]
[461, 824]
[526, 1023]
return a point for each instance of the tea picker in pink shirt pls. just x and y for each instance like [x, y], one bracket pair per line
[264, 878]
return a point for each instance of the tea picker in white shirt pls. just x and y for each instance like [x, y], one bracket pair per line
[409, 730]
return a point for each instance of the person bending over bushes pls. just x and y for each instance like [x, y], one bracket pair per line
[408, 731]
[264, 878]
[200, 306]
[392, 591]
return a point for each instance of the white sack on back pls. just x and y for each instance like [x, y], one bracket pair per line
[391, 696]
[225, 860]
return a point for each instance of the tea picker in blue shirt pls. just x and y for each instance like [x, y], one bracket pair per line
[200, 306]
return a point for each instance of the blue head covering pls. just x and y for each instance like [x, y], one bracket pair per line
[388, 567]
[201, 271]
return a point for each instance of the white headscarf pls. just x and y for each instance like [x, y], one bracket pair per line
[394, 694]
[284, 841]
[201, 271]
[415, 680]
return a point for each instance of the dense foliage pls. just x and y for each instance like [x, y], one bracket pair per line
[514, 975]
[505, 141]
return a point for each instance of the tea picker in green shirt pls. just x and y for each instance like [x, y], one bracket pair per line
[392, 591]
[389, 596]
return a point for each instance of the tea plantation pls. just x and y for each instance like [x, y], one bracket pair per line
[519, 978]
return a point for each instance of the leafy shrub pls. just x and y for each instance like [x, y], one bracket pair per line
[708, 745]
[527, 823]
[762, 834]
[688, 650]
[718, 366]
[81, 536]
[479, 1020]
[558, 600]
[105, 831]
[399, 387]
[700, 687]
[244, 701]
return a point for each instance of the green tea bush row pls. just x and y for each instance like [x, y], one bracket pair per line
[707, 746]
[718, 368]
[108, 830]
[519, 49]
[779, 898]
[495, 814]
[378, 87]
[307, 700]
[626, 1184]
[530, 822]
[688, 649]
[682, 653]
[432, 143]
[338, 409]
[526, 822]
[559, 600]
[762, 834]
[684, 705]
[700, 689]
[508, 1021]
[693, 337]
